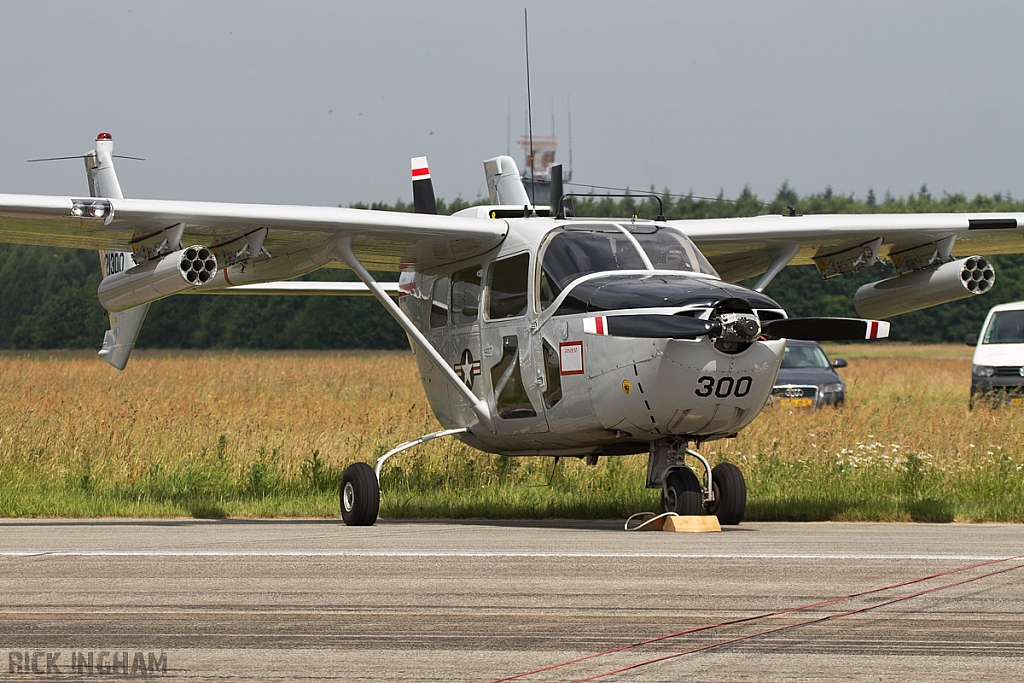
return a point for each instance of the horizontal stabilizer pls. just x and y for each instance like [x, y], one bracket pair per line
[826, 329]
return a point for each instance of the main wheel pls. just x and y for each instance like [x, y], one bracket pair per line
[682, 493]
[360, 495]
[730, 493]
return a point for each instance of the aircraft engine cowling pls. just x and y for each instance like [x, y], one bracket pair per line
[158, 278]
[923, 288]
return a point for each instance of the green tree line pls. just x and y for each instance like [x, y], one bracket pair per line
[48, 296]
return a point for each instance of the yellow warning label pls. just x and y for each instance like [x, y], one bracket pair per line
[626, 386]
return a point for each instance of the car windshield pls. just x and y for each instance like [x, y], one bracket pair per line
[804, 357]
[1006, 327]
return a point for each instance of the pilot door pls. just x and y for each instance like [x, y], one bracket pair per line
[512, 358]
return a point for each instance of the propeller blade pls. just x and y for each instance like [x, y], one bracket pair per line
[82, 156]
[826, 329]
[650, 326]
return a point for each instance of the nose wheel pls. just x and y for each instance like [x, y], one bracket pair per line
[730, 491]
[682, 493]
[723, 492]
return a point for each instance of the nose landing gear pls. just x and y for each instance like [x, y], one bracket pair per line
[730, 501]
[724, 492]
[681, 493]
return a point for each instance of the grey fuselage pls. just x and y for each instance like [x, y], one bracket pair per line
[512, 323]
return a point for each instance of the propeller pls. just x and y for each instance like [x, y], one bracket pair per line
[651, 326]
[735, 327]
[826, 329]
[82, 156]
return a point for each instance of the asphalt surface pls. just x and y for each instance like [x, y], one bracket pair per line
[477, 601]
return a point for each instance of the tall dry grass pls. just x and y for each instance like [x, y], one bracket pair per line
[906, 446]
[213, 434]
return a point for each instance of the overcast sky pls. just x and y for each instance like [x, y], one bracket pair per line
[325, 102]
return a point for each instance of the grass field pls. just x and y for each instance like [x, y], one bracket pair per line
[268, 434]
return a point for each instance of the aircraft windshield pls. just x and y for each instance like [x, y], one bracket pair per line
[670, 249]
[576, 251]
[573, 253]
[804, 357]
[1006, 327]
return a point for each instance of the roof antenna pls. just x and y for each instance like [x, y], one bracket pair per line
[568, 108]
[529, 108]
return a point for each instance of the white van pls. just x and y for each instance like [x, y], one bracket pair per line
[998, 366]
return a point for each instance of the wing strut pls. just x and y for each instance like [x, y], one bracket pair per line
[780, 261]
[478, 405]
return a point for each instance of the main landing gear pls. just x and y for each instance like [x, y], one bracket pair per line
[724, 492]
[360, 484]
[360, 495]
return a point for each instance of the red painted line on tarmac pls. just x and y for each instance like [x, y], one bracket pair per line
[766, 615]
[792, 626]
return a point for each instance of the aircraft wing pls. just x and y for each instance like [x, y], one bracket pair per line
[741, 248]
[381, 239]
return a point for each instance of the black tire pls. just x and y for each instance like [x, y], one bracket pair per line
[730, 493]
[359, 495]
[682, 493]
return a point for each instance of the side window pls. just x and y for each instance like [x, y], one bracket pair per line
[507, 281]
[553, 393]
[439, 303]
[465, 295]
[510, 394]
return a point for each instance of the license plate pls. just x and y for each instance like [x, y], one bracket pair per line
[795, 402]
[1016, 401]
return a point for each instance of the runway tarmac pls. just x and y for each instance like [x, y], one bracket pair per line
[281, 600]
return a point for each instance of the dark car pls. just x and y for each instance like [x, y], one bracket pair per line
[807, 379]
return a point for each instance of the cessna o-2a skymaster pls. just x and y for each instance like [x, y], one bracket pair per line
[535, 332]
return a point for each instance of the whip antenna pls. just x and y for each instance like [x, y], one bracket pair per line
[529, 108]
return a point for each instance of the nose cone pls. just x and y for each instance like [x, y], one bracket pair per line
[689, 388]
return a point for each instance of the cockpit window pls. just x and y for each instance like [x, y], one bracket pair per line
[507, 280]
[669, 249]
[573, 253]
[465, 295]
[577, 250]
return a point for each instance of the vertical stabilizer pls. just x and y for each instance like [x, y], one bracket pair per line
[119, 340]
[99, 165]
[504, 184]
[423, 200]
